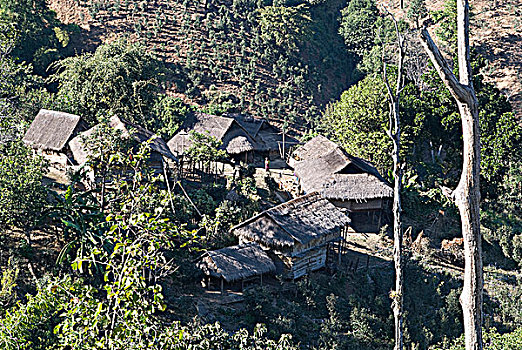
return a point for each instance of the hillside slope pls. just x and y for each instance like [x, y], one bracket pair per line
[496, 32]
[221, 55]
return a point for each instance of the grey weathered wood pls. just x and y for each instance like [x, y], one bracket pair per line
[467, 193]
[394, 132]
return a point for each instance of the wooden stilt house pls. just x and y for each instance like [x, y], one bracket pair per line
[50, 133]
[350, 183]
[236, 141]
[296, 234]
[270, 141]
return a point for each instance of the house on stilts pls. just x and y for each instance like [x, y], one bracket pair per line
[298, 235]
[239, 263]
[236, 141]
[49, 135]
[350, 183]
[270, 142]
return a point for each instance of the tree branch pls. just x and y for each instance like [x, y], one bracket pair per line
[459, 91]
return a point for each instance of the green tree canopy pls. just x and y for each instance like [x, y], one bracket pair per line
[285, 26]
[119, 78]
[358, 121]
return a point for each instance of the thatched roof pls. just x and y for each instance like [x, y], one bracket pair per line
[234, 137]
[357, 187]
[128, 129]
[249, 123]
[315, 148]
[237, 262]
[267, 137]
[329, 169]
[300, 220]
[51, 130]
[239, 144]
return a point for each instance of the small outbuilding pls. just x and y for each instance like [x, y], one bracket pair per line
[298, 234]
[350, 183]
[50, 133]
[236, 263]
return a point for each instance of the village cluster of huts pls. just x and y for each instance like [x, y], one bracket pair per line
[59, 137]
[338, 193]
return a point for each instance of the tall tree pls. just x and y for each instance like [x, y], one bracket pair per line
[394, 132]
[467, 193]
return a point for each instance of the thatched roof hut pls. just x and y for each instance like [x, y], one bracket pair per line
[128, 129]
[298, 221]
[51, 130]
[313, 149]
[235, 139]
[267, 137]
[330, 170]
[249, 123]
[237, 262]
[358, 187]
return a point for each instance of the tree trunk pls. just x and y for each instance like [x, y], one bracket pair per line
[397, 232]
[467, 193]
[394, 132]
[467, 197]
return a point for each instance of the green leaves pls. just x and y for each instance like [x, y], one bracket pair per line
[22, 195]
[285, 26]
[119, 78]
[205, 148]
[358, 121]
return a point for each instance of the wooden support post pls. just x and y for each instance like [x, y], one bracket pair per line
[339, 253]
[208, 282]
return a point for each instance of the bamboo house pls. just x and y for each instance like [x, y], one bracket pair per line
[298, 234]
[236, 141]
[270, 141]
[50, 133]
[236, 263]
[350, 183]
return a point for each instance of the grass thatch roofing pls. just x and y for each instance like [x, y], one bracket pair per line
[51, 130]
[237, 262]
[300, 220]
[239, 144]
[327, 168]
[138, 133]
[315, 148]
[225, 129]
[267, 137]
[249, 123]
[356, 187]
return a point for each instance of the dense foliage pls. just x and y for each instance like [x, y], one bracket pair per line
[128, 240]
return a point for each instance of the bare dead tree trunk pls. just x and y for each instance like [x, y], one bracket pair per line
[467, 193]
[394, 132]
